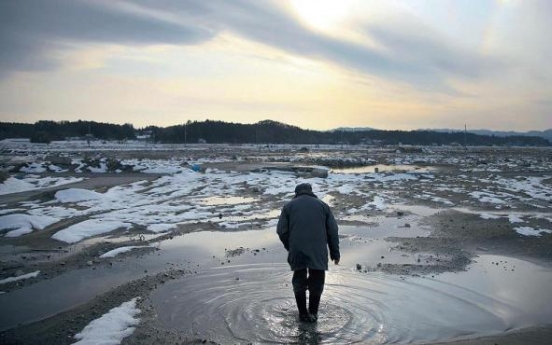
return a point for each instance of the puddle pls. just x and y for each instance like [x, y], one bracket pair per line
[254, 303]
[227, 200]
[384, 168]
[246, 296]
[419, 210]
[497, 214]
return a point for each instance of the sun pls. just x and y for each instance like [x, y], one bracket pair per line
[321, 14]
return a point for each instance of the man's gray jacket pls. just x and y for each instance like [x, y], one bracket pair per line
[307, 228]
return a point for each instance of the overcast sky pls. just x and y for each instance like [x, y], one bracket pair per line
[316, 64]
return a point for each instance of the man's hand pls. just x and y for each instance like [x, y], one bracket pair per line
[336, 261]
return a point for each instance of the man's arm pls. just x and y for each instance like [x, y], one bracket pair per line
[282, 228]
[333, 237]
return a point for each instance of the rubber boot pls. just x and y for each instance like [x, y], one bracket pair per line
[301, 300]
[314, 302]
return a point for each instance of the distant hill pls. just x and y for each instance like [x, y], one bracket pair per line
[352, 129]
[546, 134]
[263, 132]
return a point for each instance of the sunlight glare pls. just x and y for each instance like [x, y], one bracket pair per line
[321, 14]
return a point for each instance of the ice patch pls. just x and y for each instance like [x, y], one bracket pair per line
[21, 277]
[88, 228]
[528, 231]
[20, 224]
[113, 253]
[112, 327]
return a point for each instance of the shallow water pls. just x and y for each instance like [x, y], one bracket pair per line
[246, 296]
[254, 303]
[384, 168]
[228, 200]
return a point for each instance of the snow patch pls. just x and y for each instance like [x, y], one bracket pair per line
[13, 185]
[112, 327]
[21, 277]
[33, 168]
[515, 219]
[485, 197]
[528, 231]
[88, 228]
[113, 253]
[20, 224]
[77, 194]
[489, 216]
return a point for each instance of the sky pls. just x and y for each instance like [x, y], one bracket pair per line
[317, 64]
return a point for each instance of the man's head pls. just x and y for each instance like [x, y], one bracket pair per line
[303, 188]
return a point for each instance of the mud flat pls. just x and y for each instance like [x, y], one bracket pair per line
[438, 245]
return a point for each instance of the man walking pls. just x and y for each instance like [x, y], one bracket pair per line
[307, 228]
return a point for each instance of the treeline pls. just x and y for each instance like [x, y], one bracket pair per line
[271, 132]
[47, 131]
[264, 132]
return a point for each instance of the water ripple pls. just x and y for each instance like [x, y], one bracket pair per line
[254, 303]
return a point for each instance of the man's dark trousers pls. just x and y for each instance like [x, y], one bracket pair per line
[314, 283]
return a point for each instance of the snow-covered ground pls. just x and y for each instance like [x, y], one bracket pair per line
[184, 195]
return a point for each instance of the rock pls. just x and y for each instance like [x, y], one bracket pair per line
[358, 267]
[383, 257]
[407, 225]
[400, 213]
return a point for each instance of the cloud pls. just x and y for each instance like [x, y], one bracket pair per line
[31, 29]
[425, 59]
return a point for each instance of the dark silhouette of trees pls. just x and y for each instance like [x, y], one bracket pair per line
[46, 131]
[263, 132]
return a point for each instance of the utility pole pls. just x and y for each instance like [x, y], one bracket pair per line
[465, 137]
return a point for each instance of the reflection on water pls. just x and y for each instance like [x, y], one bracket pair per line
[254, 303]
[384, 168]
[227, 200]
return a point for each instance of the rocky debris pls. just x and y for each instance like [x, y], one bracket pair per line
[235, 252]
